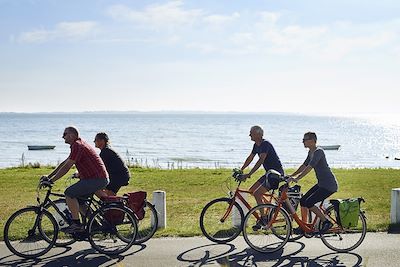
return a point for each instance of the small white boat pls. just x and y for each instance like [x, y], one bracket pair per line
[40, 147]
[331, 147]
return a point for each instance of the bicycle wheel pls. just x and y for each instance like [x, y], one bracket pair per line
[63, 239]
[220, 222]
[23, 235]
[271, 233]
[148, 225]
[343, 239]
[112, 229]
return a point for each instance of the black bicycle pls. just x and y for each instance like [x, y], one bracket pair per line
[111, 228]
[147, 220]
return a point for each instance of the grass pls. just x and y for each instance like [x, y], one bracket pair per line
[188, 190]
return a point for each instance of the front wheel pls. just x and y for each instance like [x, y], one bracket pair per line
[266, 228]
[30, 232]
[344, 239]
[221, 220]
[63, 239]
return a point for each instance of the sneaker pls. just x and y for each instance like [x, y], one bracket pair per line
[326, 225]
[298, 231]
[73, 228]
[259, 224]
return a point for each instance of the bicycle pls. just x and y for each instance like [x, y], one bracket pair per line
[215, 218]
[274, 233]
[32, 231]
[147, 224]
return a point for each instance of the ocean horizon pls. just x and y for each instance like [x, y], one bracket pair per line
[191, 139]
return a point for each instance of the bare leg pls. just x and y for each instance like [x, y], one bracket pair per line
[304, 214]
[318, 212]
[73, 206]
[258, 190]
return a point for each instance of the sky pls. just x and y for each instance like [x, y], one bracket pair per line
[310, 56]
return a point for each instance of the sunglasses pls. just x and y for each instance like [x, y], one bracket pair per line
[64, 134]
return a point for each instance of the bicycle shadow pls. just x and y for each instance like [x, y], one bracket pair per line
[87, 257]
[215, 254]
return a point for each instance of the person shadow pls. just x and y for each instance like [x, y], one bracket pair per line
[228, 255]
[88, 257]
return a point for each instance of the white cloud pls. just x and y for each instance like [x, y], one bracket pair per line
[269, 17]
[63, 30]
[217, 20]
[157, 16]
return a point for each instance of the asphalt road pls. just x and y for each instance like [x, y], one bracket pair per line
[378, 249]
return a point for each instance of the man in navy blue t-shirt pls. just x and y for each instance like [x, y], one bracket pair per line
[268, 158]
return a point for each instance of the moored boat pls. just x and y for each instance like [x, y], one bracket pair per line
[40, 147]
[331, 147]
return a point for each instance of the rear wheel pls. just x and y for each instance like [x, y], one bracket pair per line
[221, 221]
[148, 225]
[270, 233]
[342, 239]
[112, 229]
[30, 233]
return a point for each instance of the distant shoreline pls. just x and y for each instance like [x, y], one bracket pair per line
[199, 112]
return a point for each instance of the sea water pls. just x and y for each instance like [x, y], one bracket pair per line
[203, 140]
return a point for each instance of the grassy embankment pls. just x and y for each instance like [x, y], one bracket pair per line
[188, 190]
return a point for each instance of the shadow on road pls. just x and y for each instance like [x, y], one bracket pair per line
[87, 257]
[225, 255]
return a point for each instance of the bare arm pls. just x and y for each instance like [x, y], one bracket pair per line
[248, 161]
[65, 167]
[299, 170]
[57, 169]
[303, 173]
[258, 163]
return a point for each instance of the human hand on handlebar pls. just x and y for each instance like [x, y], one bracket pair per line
[45, 181]
[291, 179]
[241, 177]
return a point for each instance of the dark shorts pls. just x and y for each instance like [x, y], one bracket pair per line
[314, 195]
[85, 187]
[268, 183]
[114, 187]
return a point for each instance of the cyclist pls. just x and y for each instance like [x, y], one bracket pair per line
[268, 158]
[116, 168]
[327, 183]
[92, 174]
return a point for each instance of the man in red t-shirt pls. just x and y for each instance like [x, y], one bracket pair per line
[92, 173]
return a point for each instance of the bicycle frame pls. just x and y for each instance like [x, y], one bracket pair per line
[307, 227]
[267, 198]
[92, 207]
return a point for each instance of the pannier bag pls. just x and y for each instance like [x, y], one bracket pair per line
[114, 216]
[347, 211]
[136, 203]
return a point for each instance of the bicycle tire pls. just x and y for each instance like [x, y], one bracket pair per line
[105, 236]
[212, 225]
[16, 241]
[147, 226]
[341, 239]
[264, 239]
[293, 236]
[63, 239]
